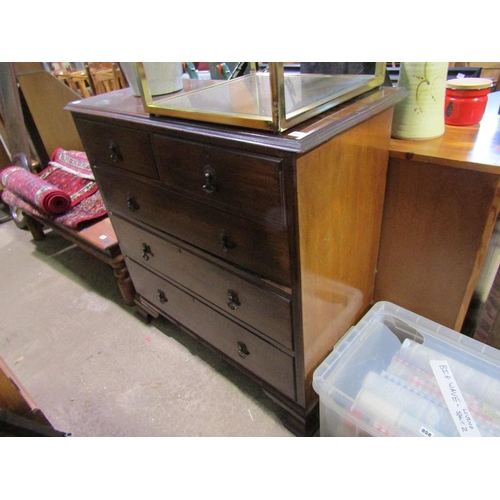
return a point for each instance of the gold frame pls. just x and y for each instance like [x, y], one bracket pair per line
[277, 122]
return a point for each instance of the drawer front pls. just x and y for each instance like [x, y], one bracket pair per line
[231, 180]
[121, 147]
[259, 249]
[257, 356]
[260, 308]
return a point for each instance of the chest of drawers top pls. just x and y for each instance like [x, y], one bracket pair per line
[122, 105]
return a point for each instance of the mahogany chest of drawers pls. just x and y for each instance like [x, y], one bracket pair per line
[263, 246]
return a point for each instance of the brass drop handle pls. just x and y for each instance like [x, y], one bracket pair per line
[162, 297]
[132, 204]
[146, 250]
[234, 300]
[243, 350]
[210, 177]
[114, 152]
[226, 241]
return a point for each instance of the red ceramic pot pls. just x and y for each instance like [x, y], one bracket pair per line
[466, 100]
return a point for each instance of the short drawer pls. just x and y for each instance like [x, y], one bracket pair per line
[233, 180]
[260, 249]
[121, 147]
[249, 351]
[260, 308]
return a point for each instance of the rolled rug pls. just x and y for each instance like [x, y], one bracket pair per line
[90, 209]
[36, 191]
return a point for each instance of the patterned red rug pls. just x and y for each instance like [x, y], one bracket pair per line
[40, 193]
[70, 171]
[89, 209]
[69, 175]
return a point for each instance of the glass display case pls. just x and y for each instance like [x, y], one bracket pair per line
[271, 96]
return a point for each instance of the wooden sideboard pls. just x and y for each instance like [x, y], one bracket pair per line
[442, 204]
[263, 246]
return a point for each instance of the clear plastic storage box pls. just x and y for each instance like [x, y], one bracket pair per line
[398, 374]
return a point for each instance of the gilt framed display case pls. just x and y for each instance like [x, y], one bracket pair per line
[271, 96]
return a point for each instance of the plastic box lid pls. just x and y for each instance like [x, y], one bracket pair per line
[399, 374]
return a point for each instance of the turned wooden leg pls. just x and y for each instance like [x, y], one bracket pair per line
[125, 284]
[35, 228]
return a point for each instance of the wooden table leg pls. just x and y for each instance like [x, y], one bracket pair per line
[35, 227]
[125, 284]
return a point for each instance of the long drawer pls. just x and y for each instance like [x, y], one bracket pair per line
[249, 351]
[260, 249]
[119, 146]
[228, 179]
[260, 308]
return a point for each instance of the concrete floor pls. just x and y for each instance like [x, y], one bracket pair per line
[94, 369]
